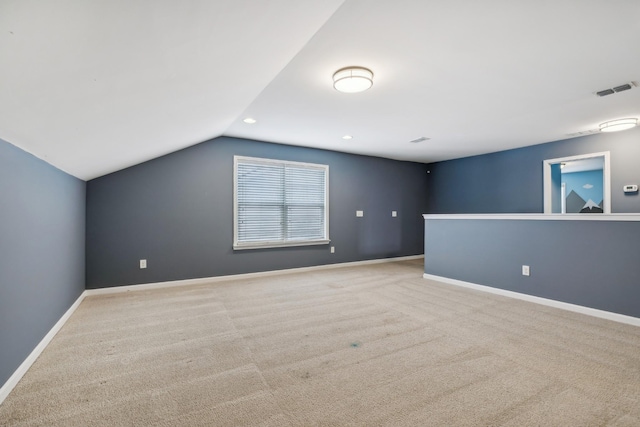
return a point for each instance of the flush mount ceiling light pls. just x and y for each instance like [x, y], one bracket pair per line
[250, 120]
[347, 137]
[616, 125]
[352, 79]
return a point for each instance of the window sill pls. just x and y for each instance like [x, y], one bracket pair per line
[268, 245]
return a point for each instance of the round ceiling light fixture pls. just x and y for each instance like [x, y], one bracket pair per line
[250, 120]
[617, 125]
[352, 79]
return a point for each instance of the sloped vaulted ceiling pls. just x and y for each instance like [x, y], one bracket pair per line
[96, 86]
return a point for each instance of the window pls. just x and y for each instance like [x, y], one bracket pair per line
[279, 203]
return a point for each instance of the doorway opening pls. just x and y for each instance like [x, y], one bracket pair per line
[577, 184]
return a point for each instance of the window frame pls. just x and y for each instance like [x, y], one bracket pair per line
[242, 245]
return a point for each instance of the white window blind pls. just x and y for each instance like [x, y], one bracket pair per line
[278, 203]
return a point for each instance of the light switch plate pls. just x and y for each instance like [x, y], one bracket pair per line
[394, 213]
[359, 213]
[143, 263]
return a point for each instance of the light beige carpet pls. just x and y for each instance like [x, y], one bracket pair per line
[362, 346]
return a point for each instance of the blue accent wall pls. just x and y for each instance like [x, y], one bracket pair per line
[42, 235]
[588, 263]
[177, 213]
[511, 181]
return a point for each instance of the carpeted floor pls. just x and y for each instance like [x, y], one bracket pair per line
[361, 346]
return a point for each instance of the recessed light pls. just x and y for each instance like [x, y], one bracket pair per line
[249, 120]
[347, 137]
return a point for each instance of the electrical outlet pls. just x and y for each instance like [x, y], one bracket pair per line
[394, 213]
[359, 213]
[525, 270]
[333, 249]
[143, 263]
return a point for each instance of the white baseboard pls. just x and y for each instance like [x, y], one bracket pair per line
[204, 280]
[24, 367]
[621, 318]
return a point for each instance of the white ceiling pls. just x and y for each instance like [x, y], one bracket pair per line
[96, 86]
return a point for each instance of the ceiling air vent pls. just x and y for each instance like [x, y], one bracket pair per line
[422, 138]
[584, 132]
[621, 88]
[617, 89]
[605, 92]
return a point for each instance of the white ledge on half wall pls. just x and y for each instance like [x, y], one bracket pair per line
[540, 216]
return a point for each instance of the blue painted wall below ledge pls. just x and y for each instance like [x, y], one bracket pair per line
[588, 263]
[511, 181]
[177, 213]
[42, 226]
